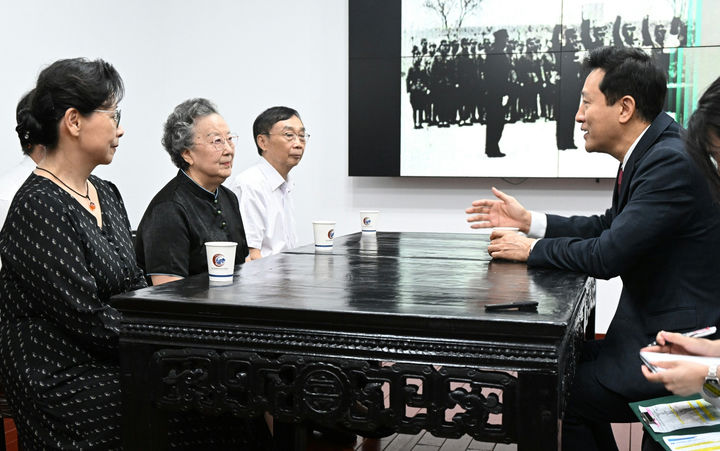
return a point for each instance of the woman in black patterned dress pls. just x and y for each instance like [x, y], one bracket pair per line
[65, 249]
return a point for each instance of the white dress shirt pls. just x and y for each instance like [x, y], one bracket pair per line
[267, 209]
[10, 181]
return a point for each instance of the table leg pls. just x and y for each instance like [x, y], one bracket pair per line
[143, 426]
[590, 330]
[289, 436]
[538, 414]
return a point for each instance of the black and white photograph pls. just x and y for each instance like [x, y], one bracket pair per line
[480, 79]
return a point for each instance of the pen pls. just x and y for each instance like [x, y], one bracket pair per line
[704, 332]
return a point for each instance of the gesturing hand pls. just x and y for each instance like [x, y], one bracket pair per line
[506, 211]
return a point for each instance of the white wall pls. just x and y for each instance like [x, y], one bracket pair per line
[245, 56]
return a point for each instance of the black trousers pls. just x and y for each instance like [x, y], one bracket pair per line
[495, 125]
[592, 407]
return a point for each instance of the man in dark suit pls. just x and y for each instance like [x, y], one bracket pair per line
[661, 236]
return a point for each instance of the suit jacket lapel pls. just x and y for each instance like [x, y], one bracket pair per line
[657, 127]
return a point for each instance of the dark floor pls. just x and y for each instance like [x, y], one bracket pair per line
[627, 440]
[421, 442]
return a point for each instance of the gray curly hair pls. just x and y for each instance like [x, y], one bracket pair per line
[179, 129]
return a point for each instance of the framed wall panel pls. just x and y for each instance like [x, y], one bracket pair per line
[489, 88]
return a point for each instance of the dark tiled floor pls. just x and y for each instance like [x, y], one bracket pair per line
[421, 442]
[424, 441]
[427, 442]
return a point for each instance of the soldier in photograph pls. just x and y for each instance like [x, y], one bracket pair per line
[498, 72]
[416, 85]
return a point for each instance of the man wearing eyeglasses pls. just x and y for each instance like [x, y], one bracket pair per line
[265, 189]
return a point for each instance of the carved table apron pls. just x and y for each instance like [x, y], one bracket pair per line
[325, 337]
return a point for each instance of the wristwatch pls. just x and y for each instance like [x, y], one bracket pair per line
[711, 387]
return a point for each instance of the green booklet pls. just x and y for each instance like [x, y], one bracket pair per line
[635, 406]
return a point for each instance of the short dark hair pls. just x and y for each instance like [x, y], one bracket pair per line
[25, 124]
[630, 71]
[179, 129]
[70, 83]
[265, 121]
[702, 125]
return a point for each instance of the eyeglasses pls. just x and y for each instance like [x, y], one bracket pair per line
[115, 115]
[292, 136]
[219, 142]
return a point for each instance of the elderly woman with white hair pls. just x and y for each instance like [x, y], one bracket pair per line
[192, 208]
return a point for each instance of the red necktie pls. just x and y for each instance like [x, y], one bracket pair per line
[619, 177]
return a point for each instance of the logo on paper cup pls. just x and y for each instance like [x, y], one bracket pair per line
[331, 233]
[218, 260]
[367, 221]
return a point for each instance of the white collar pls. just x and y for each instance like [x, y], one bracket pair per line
[632, 147]
[275, 180]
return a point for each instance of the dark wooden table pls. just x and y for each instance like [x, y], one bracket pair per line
[321, 337]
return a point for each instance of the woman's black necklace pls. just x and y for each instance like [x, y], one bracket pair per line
[87, 187]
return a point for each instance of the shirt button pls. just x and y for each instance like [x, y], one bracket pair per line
[215, 201]
[222, 226]
[219, 212]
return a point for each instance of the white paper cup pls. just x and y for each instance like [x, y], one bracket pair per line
[368, 220]
[220, 260]
[324, 232]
